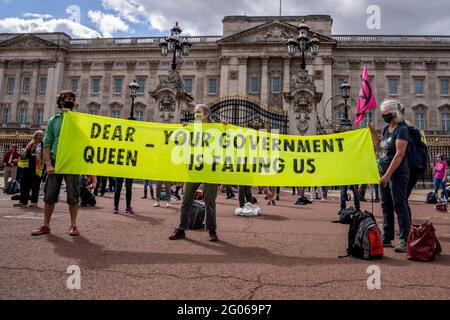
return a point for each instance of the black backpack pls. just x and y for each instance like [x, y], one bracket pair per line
[346, 215]
[417, 152]
[431, 198]
[364, 238]
[198, 213]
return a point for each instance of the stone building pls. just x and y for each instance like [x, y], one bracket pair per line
[250, 59]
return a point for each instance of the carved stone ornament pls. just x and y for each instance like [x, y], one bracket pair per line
[234, 75]
[167, 103]
[275, 34]
[303, 109]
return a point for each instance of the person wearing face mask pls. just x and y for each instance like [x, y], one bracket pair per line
[202, 114]
[394, 169]
[65, 102]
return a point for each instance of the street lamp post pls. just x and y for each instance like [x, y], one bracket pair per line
[345, 94]
[175, 45]
[134, 87]
[304, 44]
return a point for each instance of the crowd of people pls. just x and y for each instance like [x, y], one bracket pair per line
[36, 163]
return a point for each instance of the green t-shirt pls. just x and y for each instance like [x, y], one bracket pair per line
[51, 138]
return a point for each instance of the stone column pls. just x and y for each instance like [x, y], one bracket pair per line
[242, 87]
[16, 93]
[33, 87]
[107, 79]
[327, 87]
[85, 83]
[50, 105]
[202, 84]
[286, 80]
[264, 80]
[58, 83]
[2, 76]
[224, 76]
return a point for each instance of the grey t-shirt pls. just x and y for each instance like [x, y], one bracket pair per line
[388, 149]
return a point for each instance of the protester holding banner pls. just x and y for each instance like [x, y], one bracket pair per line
[65, 102]
[202, 114]
[128, 195]
[393, 166]
[148, 184]
[30, 179]
[356, 197]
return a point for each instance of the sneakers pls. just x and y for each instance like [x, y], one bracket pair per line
[168, 205]
[129, 210]
[387, 244]
[33, 205]
[401, 248]
[73, 231]
[40, 231]
[116, 211]
[177, 235]
[157, 205]
[213, 236]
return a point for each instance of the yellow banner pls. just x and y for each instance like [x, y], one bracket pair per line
[212, 153]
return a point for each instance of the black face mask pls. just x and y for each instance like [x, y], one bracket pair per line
[387, 117]
[69, 104]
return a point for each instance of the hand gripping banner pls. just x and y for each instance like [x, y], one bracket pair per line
[212, 153]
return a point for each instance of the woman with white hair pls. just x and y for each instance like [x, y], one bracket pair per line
[30, 179]
[394, 169]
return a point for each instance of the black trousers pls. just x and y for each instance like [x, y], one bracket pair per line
[245, 195]
[128, 188]
[29, 181]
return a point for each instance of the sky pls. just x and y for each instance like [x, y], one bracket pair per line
[148, 18]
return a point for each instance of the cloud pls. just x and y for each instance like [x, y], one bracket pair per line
[36, 25]
[37, 15]
[204, 17]
[108, 24]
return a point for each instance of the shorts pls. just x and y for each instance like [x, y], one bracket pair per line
[53, 186]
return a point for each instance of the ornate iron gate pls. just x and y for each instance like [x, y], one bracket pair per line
[244, 112]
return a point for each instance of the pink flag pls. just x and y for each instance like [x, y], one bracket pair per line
[366, 99]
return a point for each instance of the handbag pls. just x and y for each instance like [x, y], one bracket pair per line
[422, 244]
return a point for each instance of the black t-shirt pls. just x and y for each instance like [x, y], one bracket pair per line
[388, 149]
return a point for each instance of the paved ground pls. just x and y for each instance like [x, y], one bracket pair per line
[288, 253]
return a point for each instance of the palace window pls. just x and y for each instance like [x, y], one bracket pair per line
[26, 85]
[42, 85]
[212, 86]
[444, 87]
[118, 84]
[39, 117]
[23, 113]
[188, 85]
[276, 84]
[95, 86]
[10, 85]
[446, 121]
[419, 87]
[393, 87]
[420, 121]
[141, 83]
[139, 115]
[74, 85]
[254, 85]
[5, 116]
[115, 114]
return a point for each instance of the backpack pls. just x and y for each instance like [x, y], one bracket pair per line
[197, 216]
[431, 198]
[364, 238]
[346, 215]
[417, 152]
[12, 187]
[422, 244]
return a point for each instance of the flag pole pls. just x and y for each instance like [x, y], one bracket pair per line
[280, 7]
